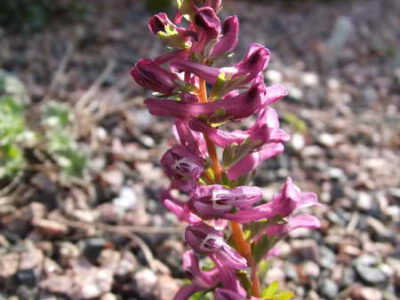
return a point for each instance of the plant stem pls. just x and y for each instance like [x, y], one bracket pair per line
[241, 244]
[212, 151]
[244, 249]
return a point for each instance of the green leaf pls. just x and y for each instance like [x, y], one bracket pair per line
[260, 248]
[244, 280]
[255, 228]
[11, 160]
[57, 115]
[285, 295]
[270, 291]
[202, 295]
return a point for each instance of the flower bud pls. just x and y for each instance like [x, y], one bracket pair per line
[149, 74]
[230, 37]
[207, 26]
[172, 36]
[205, 239]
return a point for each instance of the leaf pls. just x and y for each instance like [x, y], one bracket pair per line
[270, 291]
[284, 295]
[260, 248]
[202, 295]
[255, 228]
[244, 280]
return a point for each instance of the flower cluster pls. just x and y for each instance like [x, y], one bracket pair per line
[210, 168]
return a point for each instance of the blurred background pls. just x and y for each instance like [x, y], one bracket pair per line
[79, 154]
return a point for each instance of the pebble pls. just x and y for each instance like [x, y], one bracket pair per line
[364, 201]
[8, 265]
[126, 199]
[26, 277]
[309, 79]
[329, 289]
[146, 282]
[50, 227]
[327, 140]
[369, 271]
[311, 269]
[93, 247]
[327, 258]
[365, 293]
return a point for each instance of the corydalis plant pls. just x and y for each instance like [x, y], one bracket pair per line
[228, 220]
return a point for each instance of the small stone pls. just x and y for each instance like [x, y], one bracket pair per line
[327, 140]
[30, 258]
[364, 201]
[337, 174]
[349, 277]
[327, 258]
[113, 177]
[26, 277]
[8, 265]
[311, 269]
[126, 199]
[93, 248]
[329, 289]
[50, 227]
[310, 79]
[146, 282]
[127, 264]
[168, 287]
[297, 141]
[305, 249]
[368, 269]
[108, 296]
[274, 76]
[382, 233]
[365, 293]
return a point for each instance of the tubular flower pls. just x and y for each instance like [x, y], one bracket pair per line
[212, 201]
[210, 168]
[182, 167]
[149, 74]
[236, 108]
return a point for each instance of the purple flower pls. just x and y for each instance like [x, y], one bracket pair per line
[291, 199]
[265, 130]
[250, 162]
[230, 37]
[180, 209]
[171, 56]
[236, 108]
[294, 222]
[183, 167]
[284, 204]
[219, 137]
[205, 239]
[201, 280]
[173, 36]
[159, 22]
[192, 141]
[207, 26]
[255, 61]
[215, 200]
[149, 74]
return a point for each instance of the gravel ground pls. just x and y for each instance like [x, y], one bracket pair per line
[107, 237]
